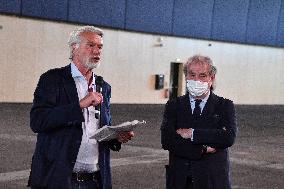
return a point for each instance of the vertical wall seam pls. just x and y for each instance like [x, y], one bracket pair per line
[212, 17]
[246, 33]
[278, 24]
[67, 12]
[21, 7]
[173, 16]
[125, 14]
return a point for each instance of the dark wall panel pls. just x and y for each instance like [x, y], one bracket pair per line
[230, 19]
[258, 22]
[151, 15]
[10, 6]
[98, 12]
[193, 18]
[280, 31]
[262, 21]
[51, 9]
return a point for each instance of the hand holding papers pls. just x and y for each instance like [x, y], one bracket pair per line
[110, 132]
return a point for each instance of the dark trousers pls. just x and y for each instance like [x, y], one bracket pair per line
[189, 183]
[86, 185]
[85, 181]
[90, 184]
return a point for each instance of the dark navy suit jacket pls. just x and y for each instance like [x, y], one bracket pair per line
[57, 118]
[216, 127]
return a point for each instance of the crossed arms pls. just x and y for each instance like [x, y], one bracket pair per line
[220, 137]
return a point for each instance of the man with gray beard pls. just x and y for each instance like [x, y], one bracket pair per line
[64, 116]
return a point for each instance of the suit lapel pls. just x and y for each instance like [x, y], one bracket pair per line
[209, 107]
[69, 84]
[185, 109]
[185, 104]
[103, 112]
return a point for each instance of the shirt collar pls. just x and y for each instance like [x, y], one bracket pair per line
[203, 100]
[75, 71]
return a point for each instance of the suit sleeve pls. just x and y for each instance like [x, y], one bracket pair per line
[173, 142]
[46, 114]
[223, 137]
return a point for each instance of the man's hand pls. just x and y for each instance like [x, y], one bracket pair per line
[185, 133]
[125, 136]
[210, 150]
[91, 99]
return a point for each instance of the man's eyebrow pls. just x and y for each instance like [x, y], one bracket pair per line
[90, 42]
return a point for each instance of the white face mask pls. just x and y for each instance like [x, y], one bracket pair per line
[196, 88]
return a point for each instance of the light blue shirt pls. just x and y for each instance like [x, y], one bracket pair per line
[201, 105]
[75, 71]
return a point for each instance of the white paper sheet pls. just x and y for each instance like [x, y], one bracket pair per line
[110, 132]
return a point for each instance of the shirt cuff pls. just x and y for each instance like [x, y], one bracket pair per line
[192, 134]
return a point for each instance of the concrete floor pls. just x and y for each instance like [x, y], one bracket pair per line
[257, 158]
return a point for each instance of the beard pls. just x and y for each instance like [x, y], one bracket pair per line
[91, 65]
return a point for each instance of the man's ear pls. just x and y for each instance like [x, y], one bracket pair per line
[212, 77]
[75, 46]
[213, 83]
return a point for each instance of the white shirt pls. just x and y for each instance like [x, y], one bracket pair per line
[88, 155]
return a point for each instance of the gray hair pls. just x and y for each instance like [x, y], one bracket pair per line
[75, 36]
[200, 59]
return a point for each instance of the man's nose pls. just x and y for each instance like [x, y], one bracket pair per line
[97, 51]
[195, 78]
